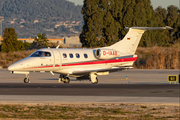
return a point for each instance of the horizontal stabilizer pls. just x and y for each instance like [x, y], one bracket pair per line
[150, 28]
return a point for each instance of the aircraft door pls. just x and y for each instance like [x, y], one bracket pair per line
[46, 60]
[57, 59]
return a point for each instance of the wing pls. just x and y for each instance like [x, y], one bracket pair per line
[113, 69]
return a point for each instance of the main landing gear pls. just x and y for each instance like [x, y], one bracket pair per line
[63, 79]
[96, 81]
[93, 78]
[26, 79]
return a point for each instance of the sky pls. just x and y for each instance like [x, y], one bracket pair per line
[155, 3]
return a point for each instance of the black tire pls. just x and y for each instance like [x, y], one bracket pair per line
[61, 77]
[26, 80]
[66, 80]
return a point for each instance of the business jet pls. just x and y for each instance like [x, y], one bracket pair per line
[83, 64]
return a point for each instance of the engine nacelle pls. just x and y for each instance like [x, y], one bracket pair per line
[106, 54]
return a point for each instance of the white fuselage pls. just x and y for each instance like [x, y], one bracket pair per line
[68, 61]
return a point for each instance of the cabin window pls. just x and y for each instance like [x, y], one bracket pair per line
[77, 55]
[37, 54]
[46, 54]
[64, 55]
[85, 55]
[70, 55]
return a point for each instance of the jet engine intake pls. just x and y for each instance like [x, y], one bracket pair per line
[106, 54]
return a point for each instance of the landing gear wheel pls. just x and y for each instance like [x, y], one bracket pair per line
[66, 80]
[26, 80]
[95, 81]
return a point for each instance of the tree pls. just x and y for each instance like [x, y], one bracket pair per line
[101, 22]
[90, 16]
[173, 20]
[177, 28]
[172, 15]
[161, 15]
[27, 45]
[138, 13]
[105, 20]
[41, 41]
[10, 42]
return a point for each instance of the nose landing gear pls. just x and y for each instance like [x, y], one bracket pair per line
[26, 79]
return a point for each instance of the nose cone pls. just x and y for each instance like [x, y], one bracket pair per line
[11, 68]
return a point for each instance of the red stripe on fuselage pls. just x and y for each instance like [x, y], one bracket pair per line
[102, 62]
[40, 67]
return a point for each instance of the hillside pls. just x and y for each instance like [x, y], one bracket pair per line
[56, 18]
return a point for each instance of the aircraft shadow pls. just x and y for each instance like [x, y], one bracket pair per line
[58, 79]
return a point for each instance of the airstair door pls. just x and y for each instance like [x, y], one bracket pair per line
[57, 59]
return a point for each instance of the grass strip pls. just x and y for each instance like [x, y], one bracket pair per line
[94, 112]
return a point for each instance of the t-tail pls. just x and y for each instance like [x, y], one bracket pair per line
[130, 42]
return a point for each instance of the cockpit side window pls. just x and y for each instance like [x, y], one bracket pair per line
[37, 54]
[46, 54]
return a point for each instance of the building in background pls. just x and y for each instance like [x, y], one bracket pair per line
[72, 42]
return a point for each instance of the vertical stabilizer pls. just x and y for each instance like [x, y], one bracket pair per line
[130, 42]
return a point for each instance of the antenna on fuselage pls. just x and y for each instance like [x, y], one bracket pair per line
[57, 47]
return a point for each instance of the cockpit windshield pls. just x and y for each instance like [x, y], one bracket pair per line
[37, 54]
[41, 54]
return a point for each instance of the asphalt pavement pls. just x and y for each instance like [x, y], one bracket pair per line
[131, 86]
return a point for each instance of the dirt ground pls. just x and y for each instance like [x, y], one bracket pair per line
[90, 111]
